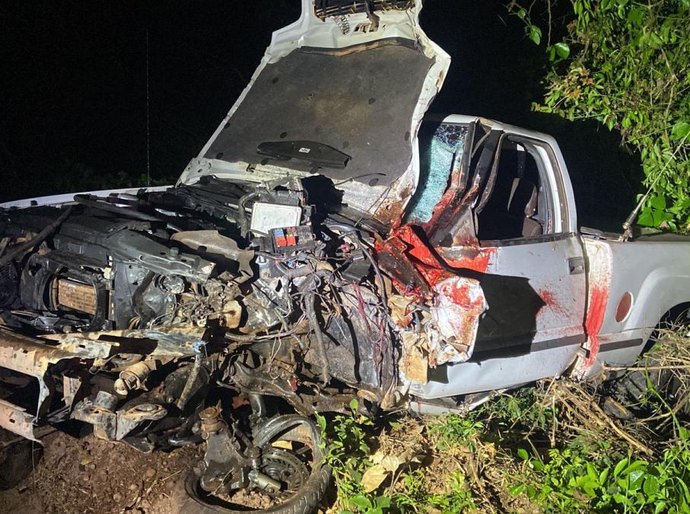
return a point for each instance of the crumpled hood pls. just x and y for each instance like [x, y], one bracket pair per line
[340, 93]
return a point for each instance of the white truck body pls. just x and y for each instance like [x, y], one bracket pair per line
[499, 220]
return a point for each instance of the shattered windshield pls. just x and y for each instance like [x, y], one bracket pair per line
[441, 146]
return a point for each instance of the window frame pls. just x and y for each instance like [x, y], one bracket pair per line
[555, 185]
[545, 170]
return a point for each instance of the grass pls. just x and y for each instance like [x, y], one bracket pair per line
[553, 447]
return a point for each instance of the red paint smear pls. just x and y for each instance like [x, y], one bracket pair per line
[459, 294]
[420, 251]
[547, 297]
[432, 269]
[598, 298]
[479, 262]
[551, 303]
[423, 259]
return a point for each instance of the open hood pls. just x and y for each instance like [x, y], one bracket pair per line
[341, 93]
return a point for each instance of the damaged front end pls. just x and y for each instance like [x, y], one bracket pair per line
[257, 271]
[132, 305]
[278, 266]
[436, 311]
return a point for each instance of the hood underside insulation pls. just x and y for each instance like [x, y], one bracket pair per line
[358, 100]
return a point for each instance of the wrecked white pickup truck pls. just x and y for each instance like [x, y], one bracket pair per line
[328, 243]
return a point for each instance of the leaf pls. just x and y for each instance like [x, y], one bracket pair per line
[552, 53]
[619, 467]
[658, 202]
[636, 465]
[646, 219]
[651, 485]
[619, 498]
[361, 502]
[534, 33]
[603, 476]
[562, 50]
[354, 405]
[522, 13]
[637, 15]
[655, 41]
[374, 477]
[390, 462]
[322, 422]
[680, 130]
[383, 502]
[592, 473]
[522, 453]
[517, 489]
[635, 478]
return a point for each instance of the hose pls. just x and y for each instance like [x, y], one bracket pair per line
[42, 236]
[320, 347]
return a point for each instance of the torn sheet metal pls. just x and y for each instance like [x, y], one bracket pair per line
[174, 341]
[401, 309]
[414, 361]
[448, 330]
[450, 305]
[411, 264]
[215, 243]
[25, 355]
[459, 304]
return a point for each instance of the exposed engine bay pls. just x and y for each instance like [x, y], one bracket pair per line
[248, 266]
[145, 315]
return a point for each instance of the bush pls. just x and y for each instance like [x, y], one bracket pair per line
[626, 64]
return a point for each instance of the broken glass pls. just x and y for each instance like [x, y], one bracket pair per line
[440, 148]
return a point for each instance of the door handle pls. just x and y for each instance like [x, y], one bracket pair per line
[576, 265]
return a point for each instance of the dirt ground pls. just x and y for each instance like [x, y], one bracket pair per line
[88, 475]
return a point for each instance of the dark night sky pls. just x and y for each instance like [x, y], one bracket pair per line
[74, 80]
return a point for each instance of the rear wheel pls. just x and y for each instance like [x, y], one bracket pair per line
[657, 389]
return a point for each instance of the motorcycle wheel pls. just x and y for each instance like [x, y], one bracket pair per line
[298, 464]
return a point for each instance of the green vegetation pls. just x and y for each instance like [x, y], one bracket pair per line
[548, 448]
[626, 64]
[569, 480]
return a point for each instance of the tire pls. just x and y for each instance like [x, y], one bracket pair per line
[17, 460]
[188, 499]
[632, 395]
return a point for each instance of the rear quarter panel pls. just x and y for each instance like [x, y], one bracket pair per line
[655, 274]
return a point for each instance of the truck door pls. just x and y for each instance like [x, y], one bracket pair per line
[509, 226]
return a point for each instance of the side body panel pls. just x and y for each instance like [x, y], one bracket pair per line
[533, 328]
[633, 284]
